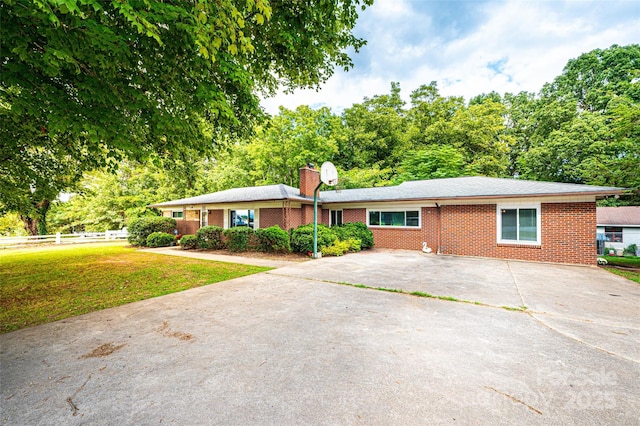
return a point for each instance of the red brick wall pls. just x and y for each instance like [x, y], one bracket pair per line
[569, 232]
[296, 218]
[468, 230]
[272, 216]
[306, 216]
[216, 218]
[354, 215]
[567, 236]
[309, 180]
[324, 216]
[187, 226]
[398, 238]
[430, 227]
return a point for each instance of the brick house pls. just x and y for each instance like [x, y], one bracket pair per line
[469, 216]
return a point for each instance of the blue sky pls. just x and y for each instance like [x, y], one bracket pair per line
[469, 47]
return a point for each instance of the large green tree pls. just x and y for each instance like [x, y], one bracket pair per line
[585, 124]
[92, 81]
[376, 132]
[291, 140]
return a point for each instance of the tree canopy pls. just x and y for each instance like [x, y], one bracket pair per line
[89, 82]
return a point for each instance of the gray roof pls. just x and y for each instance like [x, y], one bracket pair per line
[464, 187]
[624, 215]
[238, 195]
[433, 189]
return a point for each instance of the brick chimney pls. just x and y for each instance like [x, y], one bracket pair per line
[309, 179]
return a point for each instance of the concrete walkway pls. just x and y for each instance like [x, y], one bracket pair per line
[302, 345]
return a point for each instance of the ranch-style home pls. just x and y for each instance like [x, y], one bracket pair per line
[468, 216]
[619, 226]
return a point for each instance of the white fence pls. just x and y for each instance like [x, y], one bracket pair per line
[85, 237]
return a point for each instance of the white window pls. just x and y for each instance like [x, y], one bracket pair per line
[241, 218]
[519, 224]
[177, 214]
[394, 218]
[335, 217]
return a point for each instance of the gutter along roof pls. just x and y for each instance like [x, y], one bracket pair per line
[434, 189]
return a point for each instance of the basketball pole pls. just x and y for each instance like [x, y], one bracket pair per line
[315, 221]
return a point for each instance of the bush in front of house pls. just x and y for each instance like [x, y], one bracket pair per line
[160, 239]
[189, 242]
[139, 229]
[339, 247]
[239, 238]
[355, 230]
[273, 239]
[210, 238]
[302, 238]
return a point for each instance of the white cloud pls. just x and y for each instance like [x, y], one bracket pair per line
[458, 44]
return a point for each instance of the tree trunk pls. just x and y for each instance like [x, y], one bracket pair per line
[30, 224]
[36, 224]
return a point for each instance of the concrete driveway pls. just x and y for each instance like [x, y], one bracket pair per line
[301, 344]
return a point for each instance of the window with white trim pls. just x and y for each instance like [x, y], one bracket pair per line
[394, 218]
[519, 224]
[177, 214]
[335, 217]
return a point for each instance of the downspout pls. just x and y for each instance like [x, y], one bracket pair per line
[439, 228]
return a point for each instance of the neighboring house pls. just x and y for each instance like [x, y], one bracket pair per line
[469, 216]
[620, 225]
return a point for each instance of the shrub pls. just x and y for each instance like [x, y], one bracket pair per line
[302, 238]
[140, 228]
[273, 239]
[239, 238]
[355, 244]
[160, 239]
[210, 237]
[356, 230]
[189, 242]
[631, 250]
[338, 248]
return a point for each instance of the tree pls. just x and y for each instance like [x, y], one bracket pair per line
[586, 122]
[290, 140]
[98, 80]
[434, 162]
[520, 125]
[429, 116]
[595, 77]
[376, 132]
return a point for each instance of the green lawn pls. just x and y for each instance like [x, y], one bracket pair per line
[624, 261]
[41, 285]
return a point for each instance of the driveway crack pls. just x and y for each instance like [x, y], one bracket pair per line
[515, 283]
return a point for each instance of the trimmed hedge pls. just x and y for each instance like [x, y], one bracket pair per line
[210, 237]
[160, 239]
[189, 242]
[239, 238]
[355, 230]
[273, 239]
[302, 238]
[140, 228]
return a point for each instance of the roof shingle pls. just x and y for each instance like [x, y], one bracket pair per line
[627, 215]
[463, 187]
